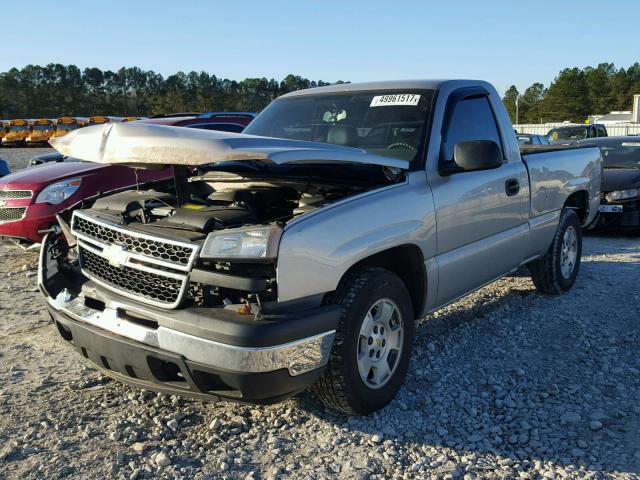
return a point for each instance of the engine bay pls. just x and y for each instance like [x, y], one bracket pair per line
[225, 201]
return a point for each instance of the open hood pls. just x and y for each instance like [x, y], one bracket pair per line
[145, 145]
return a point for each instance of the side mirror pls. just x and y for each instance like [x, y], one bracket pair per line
[477, 155]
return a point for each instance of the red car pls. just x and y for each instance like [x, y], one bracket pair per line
[30, 199]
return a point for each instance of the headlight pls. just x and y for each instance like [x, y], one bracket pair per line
[59, 192]
[243, 243]
[621, 195]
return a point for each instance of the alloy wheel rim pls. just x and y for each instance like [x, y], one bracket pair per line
[568, 252]
[380, 343]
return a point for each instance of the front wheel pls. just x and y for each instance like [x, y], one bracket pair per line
[373, 343]
[556, 271]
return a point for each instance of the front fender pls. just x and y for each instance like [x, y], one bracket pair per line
[317, 250]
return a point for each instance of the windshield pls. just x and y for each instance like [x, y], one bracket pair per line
[390, 123]
[42, 128]
[621, 155]
[570, 133]
[18, 128]
[66, 126]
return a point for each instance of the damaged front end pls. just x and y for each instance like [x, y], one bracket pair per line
[151, 325]
[174, 288]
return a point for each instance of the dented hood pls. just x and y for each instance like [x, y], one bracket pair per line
[144, 145]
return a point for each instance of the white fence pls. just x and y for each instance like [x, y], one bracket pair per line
[543, 128]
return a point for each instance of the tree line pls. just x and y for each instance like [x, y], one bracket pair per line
[57, 90]
[575, 94]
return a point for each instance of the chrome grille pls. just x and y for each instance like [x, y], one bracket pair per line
[160, 250]
[15, 194]
[156, 288]
[12, 214]
[151, 270]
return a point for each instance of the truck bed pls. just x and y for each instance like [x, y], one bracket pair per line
[555, 172]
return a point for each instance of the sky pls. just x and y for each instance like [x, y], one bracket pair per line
[504, 42]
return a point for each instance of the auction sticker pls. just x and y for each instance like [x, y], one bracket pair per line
[395, 99]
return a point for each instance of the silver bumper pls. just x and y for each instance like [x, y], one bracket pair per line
[297, 357]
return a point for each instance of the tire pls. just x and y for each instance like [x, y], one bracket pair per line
[342, 386]
[554, 273]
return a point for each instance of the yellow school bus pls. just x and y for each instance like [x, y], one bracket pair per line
[65, 125]
[130, 119]
[40, 131]
[4, 128]
[17, 132]
[98, 119]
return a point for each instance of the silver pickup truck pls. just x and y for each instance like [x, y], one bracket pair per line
[300, 252]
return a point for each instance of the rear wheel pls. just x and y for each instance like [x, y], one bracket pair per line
[557, 270]
[373, 343]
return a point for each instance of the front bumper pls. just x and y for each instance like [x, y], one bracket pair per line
[621, 215]
[36, 140]
[13, 140]
[211, 354]
[37, 220]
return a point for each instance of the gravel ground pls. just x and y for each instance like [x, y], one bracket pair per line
[505, 383]
[18, 158]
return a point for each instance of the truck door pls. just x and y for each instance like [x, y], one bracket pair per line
[481, 215]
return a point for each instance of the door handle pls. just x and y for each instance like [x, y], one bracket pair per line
[512, 187]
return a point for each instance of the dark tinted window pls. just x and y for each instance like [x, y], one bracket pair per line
[472, 119]
[602, 132]
[568, 133]
[221, 127]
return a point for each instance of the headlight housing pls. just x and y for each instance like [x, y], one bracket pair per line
[248, 243]
[618, 195]
[58, 192]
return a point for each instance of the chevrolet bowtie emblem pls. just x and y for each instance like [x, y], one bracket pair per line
[116, 254]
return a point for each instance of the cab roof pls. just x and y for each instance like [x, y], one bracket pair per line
[434, 84]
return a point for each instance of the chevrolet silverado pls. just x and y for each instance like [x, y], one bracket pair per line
[300, 252]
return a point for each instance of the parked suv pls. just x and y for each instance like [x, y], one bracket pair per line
[573, 133]
[300, 252]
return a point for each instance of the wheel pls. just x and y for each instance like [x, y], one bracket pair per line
[373, 343]
[556, 271]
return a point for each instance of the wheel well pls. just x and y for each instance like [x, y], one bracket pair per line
[407, 262]
[579, 201]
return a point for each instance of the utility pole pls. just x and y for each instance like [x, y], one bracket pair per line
[517, 109]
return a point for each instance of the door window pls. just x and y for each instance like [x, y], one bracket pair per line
[471, 119]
